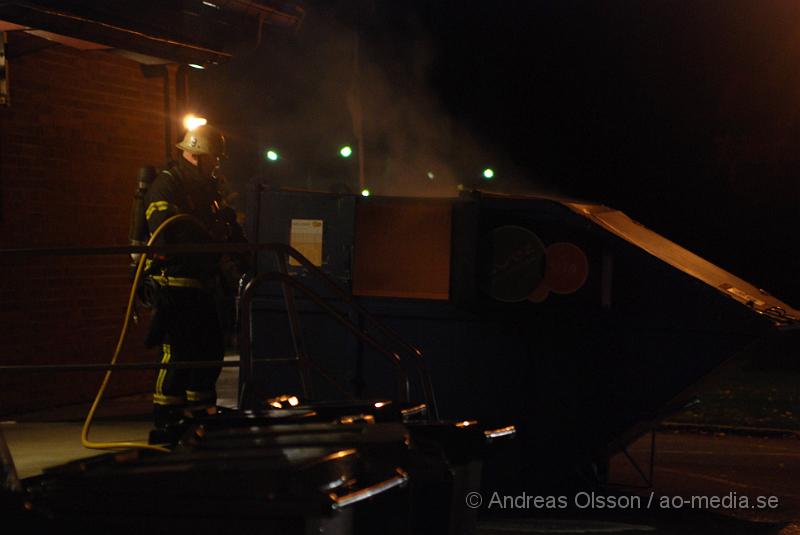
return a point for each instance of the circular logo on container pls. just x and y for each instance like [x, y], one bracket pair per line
[512, 263]
[566, 270]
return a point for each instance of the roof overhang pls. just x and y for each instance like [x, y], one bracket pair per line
[188, 32]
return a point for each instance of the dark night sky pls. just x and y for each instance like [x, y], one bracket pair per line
[685, 115]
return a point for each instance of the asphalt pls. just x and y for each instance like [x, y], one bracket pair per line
[49, 437]
[728, 464]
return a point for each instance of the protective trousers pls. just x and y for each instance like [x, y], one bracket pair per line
[191, 332]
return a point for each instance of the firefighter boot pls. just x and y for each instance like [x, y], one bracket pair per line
[169, 424]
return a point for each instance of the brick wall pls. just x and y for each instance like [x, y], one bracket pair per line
[80, 125]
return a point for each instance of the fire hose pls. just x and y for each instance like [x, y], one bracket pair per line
[85, 441]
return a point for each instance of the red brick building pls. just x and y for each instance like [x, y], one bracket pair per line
[87, 105]
[79, 126]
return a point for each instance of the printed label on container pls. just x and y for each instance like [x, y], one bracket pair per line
[306, 237]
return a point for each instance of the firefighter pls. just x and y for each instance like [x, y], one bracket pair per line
[186, 322]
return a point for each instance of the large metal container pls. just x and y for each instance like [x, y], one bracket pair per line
[568, 319]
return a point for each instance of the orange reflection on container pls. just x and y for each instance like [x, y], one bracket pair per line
[402, 248]
[566, 267]
[566, 270]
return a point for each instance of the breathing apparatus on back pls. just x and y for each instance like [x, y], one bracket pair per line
[139, 233]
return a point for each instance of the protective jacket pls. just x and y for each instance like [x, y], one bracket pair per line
[180, 189]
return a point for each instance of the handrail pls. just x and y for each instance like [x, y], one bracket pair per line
[294, 253]
[175, 248]
[131, 366]
[219, 248]
[299, 345]
[415, 353]
[245, 341]
[276, 248]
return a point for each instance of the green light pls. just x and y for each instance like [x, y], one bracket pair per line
[488, 173]
[271, 155]
[365, 192]
[431, 176]
[346, 151]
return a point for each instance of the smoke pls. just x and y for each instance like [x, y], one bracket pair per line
[363, 84]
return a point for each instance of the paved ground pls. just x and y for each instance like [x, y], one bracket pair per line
[50, 437]
[725, 468]
[746, 469]
[729, 464]
[730, 469]
[703, 482]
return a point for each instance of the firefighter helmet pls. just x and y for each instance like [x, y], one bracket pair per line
[204, 139]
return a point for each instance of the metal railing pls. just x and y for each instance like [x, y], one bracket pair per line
[403, 354]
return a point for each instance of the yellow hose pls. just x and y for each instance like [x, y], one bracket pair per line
[85, 442]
